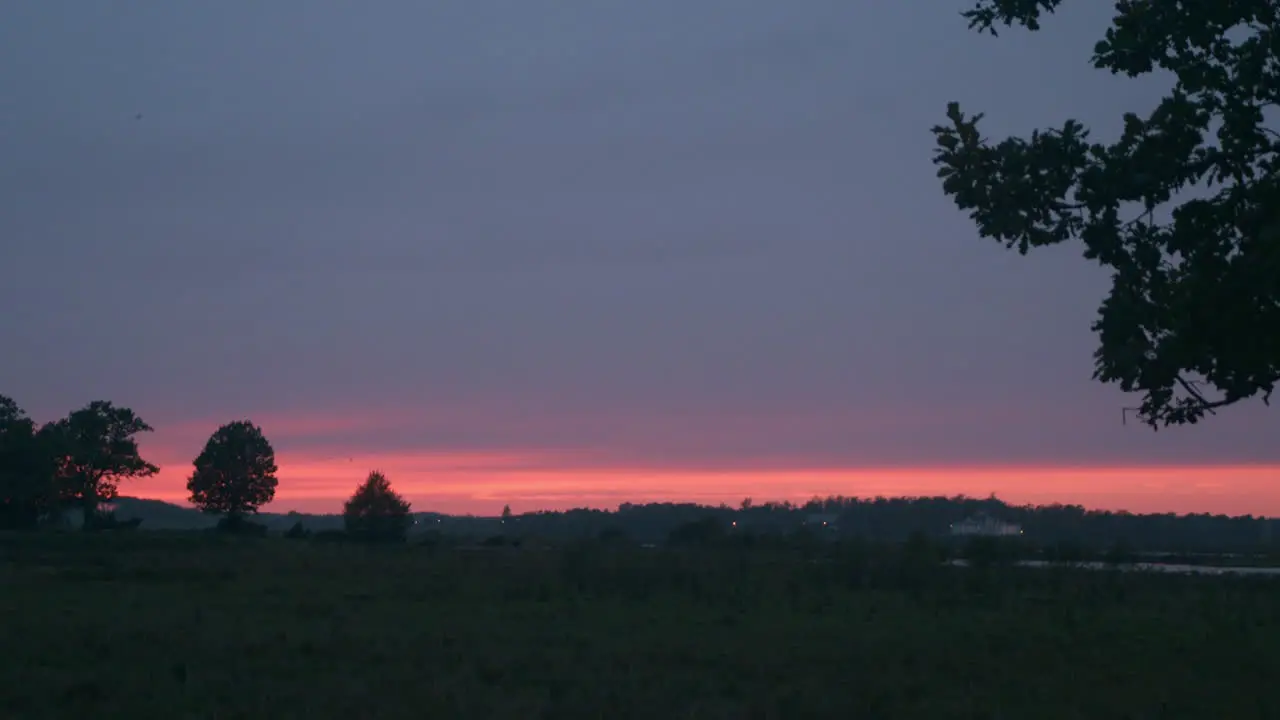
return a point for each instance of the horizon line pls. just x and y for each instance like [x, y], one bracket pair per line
[485, 482]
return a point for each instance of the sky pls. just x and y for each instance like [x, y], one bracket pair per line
[582, 252]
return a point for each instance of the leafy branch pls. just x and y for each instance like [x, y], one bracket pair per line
[1195, 300]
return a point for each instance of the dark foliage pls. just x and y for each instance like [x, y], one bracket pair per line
[235, 474]
[433, 539]
[240, 525]
[1119, 554]
[109, 522]
[698, 532]
[93, 449]
[895, 520]
[375, 513]
[1184, 208]
[27, 488]
[988, 551]
[613, 536]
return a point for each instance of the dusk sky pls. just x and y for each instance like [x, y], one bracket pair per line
[568, 253]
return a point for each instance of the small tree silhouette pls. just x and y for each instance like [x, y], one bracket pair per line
[235, 474]
[375, 512]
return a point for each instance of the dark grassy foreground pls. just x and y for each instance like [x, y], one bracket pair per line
[150, 625]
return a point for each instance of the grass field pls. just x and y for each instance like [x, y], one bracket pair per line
[149, 625]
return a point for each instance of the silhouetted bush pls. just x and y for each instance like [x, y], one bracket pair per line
[985, 551]
[698, 532]
[240, 525]
[432, 539]
[297, 532]
[107, 521]
[921, 550]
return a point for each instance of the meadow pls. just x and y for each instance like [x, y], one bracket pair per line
[201, 626]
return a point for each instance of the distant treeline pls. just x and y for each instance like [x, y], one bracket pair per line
[876, 520]
[77, 464]
[897, 519]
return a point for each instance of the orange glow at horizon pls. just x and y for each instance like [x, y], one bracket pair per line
[482, 482]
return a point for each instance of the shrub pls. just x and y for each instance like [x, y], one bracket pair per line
[238, 525]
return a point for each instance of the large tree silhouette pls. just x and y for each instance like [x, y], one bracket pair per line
[376, 512]
[26, 471]
[235, 474]
[95, 448]
[1184, 208]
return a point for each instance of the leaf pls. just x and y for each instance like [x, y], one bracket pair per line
[1193, 318]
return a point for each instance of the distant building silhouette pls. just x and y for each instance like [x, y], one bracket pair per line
[984, 524]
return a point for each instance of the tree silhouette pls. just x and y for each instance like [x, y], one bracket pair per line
[235, 474]
[1189, 226]
[12, 416]
[26, 472]
[375, 512]
[94, 448]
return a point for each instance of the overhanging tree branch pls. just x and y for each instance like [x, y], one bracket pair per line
[1197, 295]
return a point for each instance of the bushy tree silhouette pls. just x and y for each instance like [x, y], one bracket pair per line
[93, 449]
[26, 473]
[235, 474]
[375, 512]
[1183, 209]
